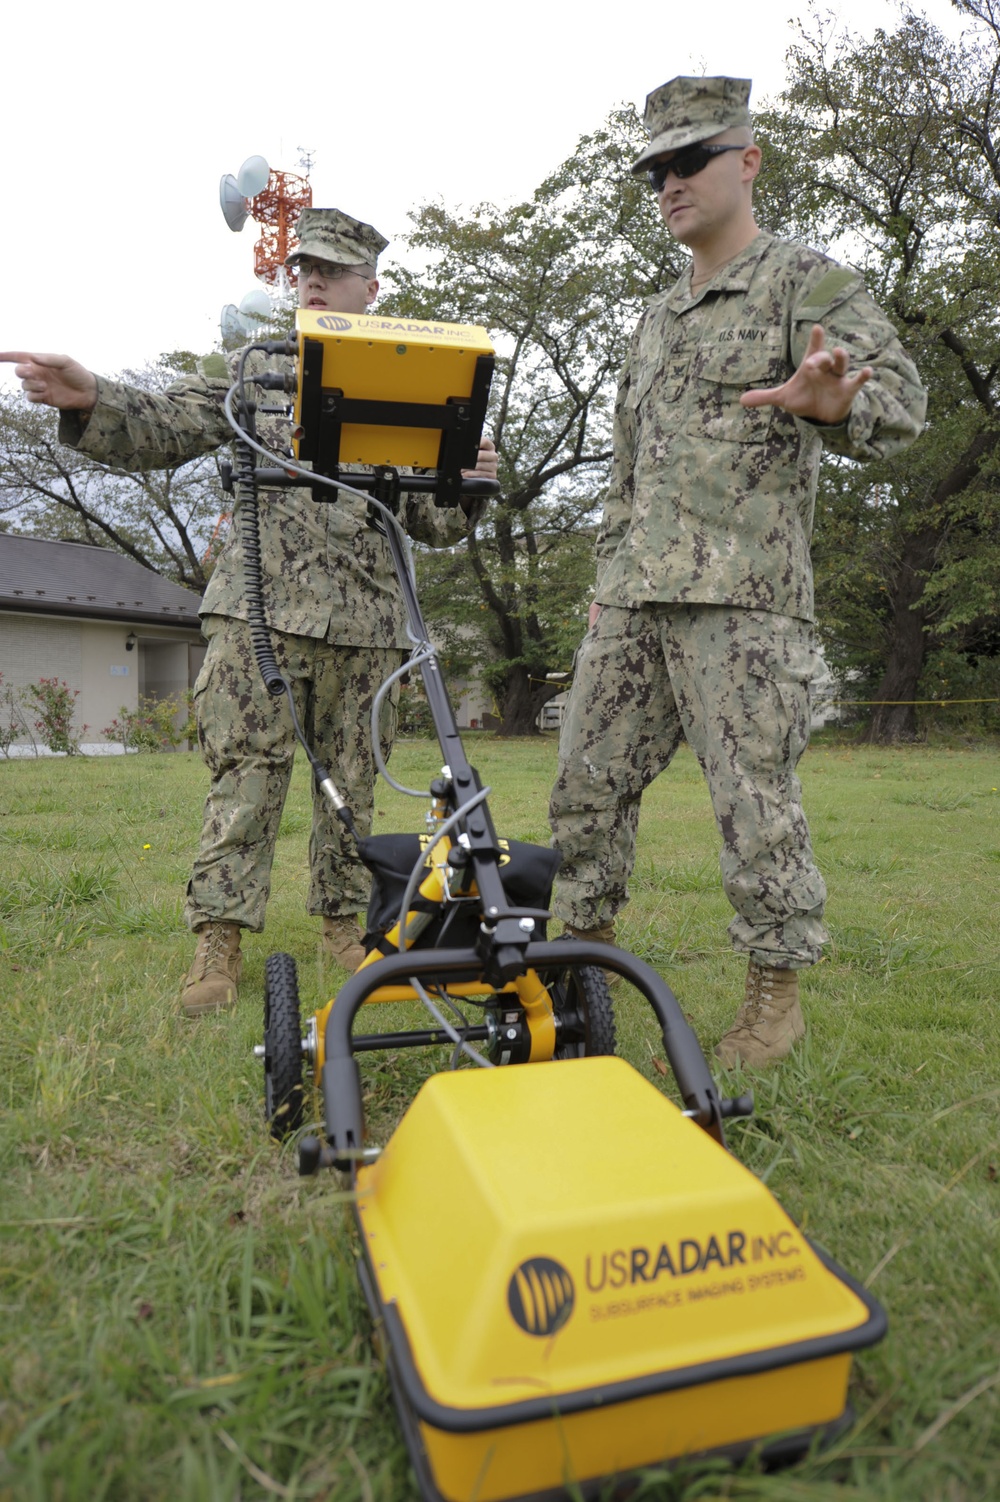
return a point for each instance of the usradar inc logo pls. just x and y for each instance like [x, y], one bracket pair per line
[540, 1296]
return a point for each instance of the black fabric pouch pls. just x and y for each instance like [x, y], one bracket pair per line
[526, 871]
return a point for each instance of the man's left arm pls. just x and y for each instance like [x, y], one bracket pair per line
[853, 381]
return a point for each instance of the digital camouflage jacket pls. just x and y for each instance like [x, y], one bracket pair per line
[327, 573]
[711, 502]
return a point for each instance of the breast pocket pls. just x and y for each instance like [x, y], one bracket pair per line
[638, 391]
[661, 374]
[720, 375]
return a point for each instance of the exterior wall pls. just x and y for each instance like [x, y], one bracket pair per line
[110, 679]
[33, 647]
[471, 704]
[167, 669]
[91, 656]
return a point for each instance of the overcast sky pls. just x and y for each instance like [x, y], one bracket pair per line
[119, 121]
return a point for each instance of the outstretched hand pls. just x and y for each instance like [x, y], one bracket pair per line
[54, 380]
[820, 389]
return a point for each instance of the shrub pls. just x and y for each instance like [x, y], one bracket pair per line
[55, 704]
[13, 724]
[150, 726]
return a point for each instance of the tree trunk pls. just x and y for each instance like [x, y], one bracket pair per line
[895, 719]
[522, 700]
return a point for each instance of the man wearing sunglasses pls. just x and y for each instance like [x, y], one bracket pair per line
[331, 601]
[761, 356]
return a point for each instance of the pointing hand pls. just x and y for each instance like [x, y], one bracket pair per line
[54, 380]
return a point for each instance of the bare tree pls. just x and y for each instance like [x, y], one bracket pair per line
[166, 519]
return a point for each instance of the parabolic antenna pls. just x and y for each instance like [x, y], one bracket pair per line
[254, 306]
[253, 176]
[234, 208]
[231, 324]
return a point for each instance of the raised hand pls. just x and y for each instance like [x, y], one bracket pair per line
[820, 389]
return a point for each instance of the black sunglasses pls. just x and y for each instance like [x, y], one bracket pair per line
[686, 163]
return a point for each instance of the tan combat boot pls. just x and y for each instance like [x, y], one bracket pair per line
[214, 976]
[342, 941]
[604, 933]
[770, 1021]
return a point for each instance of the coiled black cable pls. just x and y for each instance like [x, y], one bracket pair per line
[245, 497]
[245, 493]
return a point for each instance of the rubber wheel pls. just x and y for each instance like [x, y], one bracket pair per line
[585, 1011]
[283, 1094]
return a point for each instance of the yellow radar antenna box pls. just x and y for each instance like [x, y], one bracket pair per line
[391, 391]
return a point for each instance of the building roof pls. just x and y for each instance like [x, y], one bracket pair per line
[74, 578]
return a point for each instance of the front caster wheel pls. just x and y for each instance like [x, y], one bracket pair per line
[283, 1095]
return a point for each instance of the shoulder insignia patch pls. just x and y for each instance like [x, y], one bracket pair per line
[827, 290]
[214, 367]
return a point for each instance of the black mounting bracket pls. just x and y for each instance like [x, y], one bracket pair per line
[324, 410]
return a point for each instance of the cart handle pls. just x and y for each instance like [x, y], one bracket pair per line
[341, 1082]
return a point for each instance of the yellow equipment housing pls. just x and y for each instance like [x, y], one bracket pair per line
[573, 1281]
[397, 365]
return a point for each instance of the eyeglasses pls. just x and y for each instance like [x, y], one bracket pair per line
[330, 271]
[686, 163]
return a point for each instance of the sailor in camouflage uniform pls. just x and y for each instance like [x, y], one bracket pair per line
[763, 354]
[330, 598]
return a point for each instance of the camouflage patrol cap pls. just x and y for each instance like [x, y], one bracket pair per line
[687, 110]
[332, 235]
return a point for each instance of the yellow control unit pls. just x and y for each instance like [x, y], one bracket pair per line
[573, 1281]
[389, 391]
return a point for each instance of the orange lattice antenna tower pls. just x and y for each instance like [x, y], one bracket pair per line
[276, 209]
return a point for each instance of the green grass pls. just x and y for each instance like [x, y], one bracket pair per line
[179, 1316]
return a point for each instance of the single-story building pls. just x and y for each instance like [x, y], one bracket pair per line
[97, 621]
[105, 625]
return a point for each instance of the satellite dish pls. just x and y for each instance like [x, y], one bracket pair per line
[253, 176]
[234, 208]
[255, 305]
[231, 324]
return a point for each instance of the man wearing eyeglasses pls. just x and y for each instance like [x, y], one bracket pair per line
[763, 354]
[331, 601]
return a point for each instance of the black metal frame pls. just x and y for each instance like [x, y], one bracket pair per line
[505, 948]
[324, 410]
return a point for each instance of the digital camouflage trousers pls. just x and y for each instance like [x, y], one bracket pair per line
[735, 685]
[248, 743]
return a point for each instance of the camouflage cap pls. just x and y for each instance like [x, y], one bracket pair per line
[687, 110]
[332, 235]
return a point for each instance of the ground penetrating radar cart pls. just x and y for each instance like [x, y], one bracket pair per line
[569, 1275]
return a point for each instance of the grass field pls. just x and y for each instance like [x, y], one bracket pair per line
[179, 1315]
